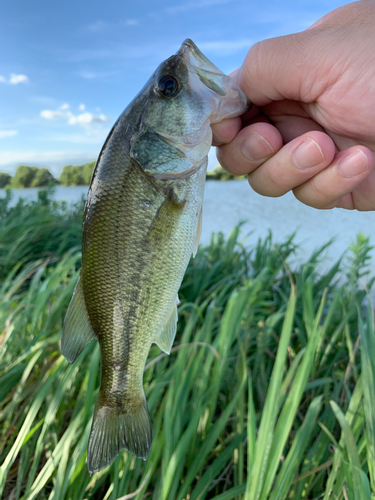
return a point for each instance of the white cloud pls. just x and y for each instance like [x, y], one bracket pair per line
[194, 5]
[85, 119]
[101, 26]
[14, 79]
[8, 133]
[77, 56]
[98, 27]
[52, 115]
[88, 136]
[90, 75]
[131, 22]
[122, 51]
[41, 99]
[53, 160]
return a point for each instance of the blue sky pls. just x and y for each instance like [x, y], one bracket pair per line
[68, 69]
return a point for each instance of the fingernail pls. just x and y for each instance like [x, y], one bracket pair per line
[308, 154]
[353, 164]
[256, 147]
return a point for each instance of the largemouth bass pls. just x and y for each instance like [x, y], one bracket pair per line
[142, 223]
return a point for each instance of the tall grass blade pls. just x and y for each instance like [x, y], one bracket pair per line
[367, 334]
[258, 468]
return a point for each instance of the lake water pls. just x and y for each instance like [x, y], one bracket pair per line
[71, 194]
[227, 203]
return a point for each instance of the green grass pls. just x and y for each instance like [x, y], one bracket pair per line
[43, 229]
[268, 393]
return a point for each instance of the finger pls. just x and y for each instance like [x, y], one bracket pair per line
[291, 118]
[249, 120]
[251, 147]
[226, 130]
[296, 163]
[362, 197]
[330, 187]
[233, 74]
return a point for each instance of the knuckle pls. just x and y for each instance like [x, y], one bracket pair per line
[312, 195]
[261, 183]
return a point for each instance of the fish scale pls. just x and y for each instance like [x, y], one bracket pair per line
[141, 225]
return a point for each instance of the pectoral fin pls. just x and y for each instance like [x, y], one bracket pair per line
[164, 339]
[157, 155]
[199, 233]
[77, 331]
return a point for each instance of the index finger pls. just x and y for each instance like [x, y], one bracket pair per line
[225, 131]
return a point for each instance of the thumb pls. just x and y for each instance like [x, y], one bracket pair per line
[297, 67]
[303, 65]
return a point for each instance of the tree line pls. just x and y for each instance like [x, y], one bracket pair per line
[71, 175]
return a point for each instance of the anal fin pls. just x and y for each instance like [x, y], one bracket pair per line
[77, 331]
[165, 338]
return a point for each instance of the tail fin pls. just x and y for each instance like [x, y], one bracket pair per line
[113, 430]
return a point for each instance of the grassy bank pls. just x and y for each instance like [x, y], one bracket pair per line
[37, 230]
[268, 393]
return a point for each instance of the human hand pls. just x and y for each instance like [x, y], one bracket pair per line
[312, 126]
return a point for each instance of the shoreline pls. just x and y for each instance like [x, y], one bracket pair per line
[228, 203]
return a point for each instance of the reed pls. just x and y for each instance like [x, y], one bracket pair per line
[268, 393]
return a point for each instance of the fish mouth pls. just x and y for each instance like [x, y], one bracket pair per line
[232, 101]
[195, 57]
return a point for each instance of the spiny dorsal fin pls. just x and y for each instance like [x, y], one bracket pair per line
[198, 237]
[77, 331]
[164, 339]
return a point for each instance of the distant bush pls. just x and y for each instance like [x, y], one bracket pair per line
[43, 178]
[219, 174]
[24, 176]
[88, 169]
[77, 175]
[31, 177]
[71, 176]
[4, 179]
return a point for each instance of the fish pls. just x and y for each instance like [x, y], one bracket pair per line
[142, 223]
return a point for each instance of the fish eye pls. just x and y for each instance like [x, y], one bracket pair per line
[168, 86]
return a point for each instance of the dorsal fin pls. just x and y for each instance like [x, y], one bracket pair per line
[77, 331]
